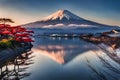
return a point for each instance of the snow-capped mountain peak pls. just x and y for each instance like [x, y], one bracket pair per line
[64, 19]
[62, 14]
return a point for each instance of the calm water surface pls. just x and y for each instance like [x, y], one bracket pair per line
[70, 59]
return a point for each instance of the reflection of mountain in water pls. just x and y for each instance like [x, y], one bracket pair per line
[61, 50]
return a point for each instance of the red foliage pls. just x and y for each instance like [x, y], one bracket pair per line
[19, 33]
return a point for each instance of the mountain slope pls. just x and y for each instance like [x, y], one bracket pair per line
[63, 18]
[62, 14]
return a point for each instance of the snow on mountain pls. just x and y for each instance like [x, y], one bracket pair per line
[61, 14]
[64, 19]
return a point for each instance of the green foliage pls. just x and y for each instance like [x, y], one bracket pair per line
[7, 43]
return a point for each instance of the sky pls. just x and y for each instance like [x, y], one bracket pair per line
[25, 11]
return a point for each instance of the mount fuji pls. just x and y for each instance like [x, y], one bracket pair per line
[64, 19]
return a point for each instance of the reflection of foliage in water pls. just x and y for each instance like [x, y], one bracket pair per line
[108, 71]
[18, 67]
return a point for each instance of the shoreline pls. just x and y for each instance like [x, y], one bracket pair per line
[109, 45]
[10, 54]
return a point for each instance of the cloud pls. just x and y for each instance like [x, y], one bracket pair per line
[80, 25]
[54, 26]
[69, 26]
[58, 25]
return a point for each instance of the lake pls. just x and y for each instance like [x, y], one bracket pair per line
[70, 59]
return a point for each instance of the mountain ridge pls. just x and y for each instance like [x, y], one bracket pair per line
[60, 14]
[64, 18]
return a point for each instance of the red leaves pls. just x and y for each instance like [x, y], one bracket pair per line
[6, 32]
[27, 39]
[19, 33]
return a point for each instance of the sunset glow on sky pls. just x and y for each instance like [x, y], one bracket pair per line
[25, 11]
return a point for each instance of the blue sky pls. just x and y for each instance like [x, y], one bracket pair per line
[25, 11]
